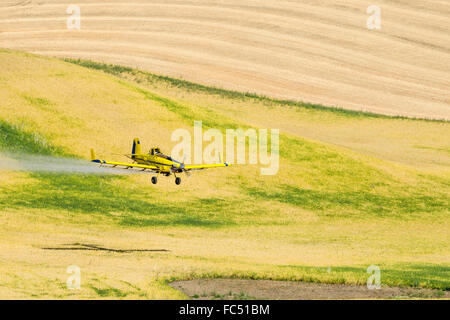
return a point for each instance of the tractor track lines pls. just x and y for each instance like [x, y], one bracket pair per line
[316, 52]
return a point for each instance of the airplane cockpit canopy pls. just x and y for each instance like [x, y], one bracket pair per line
[154, 151]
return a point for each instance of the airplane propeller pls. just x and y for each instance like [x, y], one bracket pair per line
[182, 166]
[188, 174]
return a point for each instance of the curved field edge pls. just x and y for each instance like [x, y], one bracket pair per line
[337, 200]
[405, 275]
[123, 71]
[326, 56]
[314, 122]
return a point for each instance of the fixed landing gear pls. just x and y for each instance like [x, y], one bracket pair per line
[177, 180]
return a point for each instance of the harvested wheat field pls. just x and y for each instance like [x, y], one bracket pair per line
[315, 51]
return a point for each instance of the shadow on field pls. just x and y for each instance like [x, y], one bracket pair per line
[93, 247]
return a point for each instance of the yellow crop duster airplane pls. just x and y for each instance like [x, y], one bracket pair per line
[154, 162]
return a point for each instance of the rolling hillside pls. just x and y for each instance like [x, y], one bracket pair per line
[315, 51]
[353, 189]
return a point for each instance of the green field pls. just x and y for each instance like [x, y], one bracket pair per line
[354, 189]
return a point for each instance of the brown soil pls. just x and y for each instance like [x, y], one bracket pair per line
[288, 290]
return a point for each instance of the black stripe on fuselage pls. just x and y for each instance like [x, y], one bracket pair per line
[157, 163]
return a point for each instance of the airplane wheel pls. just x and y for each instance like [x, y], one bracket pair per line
[177, 180]
[154, 180]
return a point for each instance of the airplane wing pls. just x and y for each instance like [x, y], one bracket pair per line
[204, 166]
[122, 165]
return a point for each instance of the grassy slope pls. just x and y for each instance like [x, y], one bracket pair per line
[341, 200]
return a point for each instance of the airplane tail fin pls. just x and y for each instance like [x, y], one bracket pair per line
[92, 155]
[136, 147]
